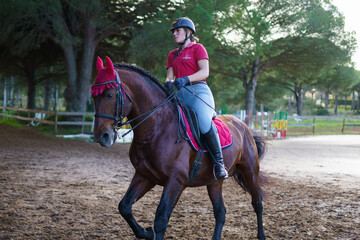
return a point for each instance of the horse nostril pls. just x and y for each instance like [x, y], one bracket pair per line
[105, 137]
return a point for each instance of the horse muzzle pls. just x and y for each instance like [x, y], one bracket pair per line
[106, 139]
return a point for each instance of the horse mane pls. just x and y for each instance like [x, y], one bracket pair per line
[141, 71]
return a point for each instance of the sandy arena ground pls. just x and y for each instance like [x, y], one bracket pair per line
[63, 189]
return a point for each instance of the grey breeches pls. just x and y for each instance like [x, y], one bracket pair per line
[204, 112]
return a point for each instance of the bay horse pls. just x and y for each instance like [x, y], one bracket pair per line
[157, 156]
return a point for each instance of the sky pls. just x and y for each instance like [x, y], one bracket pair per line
[350, 9]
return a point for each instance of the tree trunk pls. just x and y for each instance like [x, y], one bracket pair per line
[345, 102]
[336, 104]
[86, 64]
[327, 92]
[290, 103]
[299, 105]
[11, 99]
[302, 100]
[5, 93]
[250, 87]
[298, 97]
[18, 99]
[358, 103]
[47, 95]
[31, 104]
[70, 90]
[56, 96]
[77, 89]
[353, 101]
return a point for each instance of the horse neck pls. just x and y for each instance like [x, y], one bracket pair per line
[146, 98]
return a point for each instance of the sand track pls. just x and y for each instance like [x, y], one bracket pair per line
[62, 189]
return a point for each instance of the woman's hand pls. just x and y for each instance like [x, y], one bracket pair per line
[180, 82]
[169, 87]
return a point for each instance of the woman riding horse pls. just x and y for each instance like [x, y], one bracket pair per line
[189, 66]
[158, 158]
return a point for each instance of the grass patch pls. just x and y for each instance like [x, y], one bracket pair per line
[12, 122]
[323, 126]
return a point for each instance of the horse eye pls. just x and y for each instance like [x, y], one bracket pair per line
[109, 96]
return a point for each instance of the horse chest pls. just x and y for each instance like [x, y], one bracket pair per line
[148, 163]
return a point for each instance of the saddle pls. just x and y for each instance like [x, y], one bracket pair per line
[189, 123]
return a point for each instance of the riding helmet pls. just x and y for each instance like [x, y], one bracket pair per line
[183, 22]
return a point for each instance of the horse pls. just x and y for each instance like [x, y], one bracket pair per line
[156, 154]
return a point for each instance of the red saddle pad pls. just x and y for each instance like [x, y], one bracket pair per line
[223, 131]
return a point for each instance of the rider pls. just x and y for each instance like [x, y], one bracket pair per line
[189, 66]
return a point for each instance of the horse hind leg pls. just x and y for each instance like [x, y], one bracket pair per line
[215, 194]
[248, 179]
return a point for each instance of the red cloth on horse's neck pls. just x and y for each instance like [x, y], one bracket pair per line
[104, 75]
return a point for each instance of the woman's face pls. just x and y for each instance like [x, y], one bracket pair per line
[179, 35]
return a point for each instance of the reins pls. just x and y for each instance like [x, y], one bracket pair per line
[150, 112]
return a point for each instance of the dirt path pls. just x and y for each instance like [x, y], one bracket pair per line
[62, 189]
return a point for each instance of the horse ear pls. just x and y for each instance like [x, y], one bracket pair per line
[109, 65]
[99, 64]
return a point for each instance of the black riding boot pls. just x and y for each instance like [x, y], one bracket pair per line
[212, 143]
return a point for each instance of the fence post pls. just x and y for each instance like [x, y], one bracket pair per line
[82, 126]
[314, 125]
[342, 129]
[56, 122]
[256, 119]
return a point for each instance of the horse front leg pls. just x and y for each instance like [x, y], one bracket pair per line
[169, 198]
[137, 189]
[215, 194]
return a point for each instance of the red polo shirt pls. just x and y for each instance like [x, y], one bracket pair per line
[185, 63]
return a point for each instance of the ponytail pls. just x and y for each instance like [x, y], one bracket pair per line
[194, 39]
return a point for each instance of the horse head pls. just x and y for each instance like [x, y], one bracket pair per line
[109, 98]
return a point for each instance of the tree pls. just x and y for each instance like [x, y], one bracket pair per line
[78, 27]
[264, 32]
[301, 66]
[32, 65]
[357, 88]
[152, 43]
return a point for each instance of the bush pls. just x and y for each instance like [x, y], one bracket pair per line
[321, 111]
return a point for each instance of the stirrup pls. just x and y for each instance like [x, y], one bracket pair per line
[223, 178]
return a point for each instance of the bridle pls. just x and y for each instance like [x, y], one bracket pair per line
[119, 101]
[120, 90]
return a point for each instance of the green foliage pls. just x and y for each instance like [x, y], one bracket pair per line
[10, 121]
[313, 109]
[272, 46]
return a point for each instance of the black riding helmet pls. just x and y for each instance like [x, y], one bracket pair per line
[183, 22]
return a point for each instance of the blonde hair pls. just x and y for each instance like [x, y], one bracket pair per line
[192, 38]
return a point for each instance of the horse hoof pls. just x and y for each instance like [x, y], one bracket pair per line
[261, 237]
[149, 232]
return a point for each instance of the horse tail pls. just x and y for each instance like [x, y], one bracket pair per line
[260, 144]
[263, 179]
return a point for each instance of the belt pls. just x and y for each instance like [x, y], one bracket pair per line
[195, 82]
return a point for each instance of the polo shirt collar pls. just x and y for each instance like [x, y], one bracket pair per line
[190, 45]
